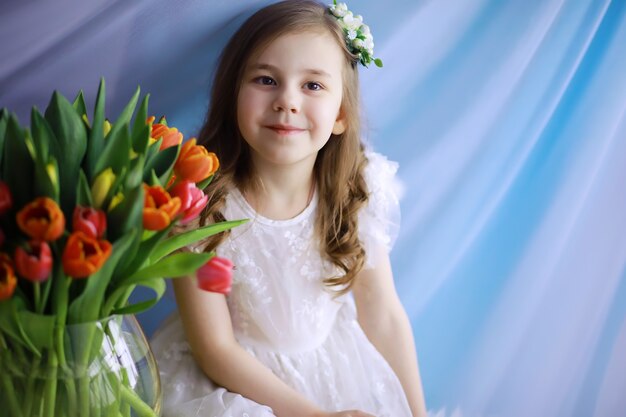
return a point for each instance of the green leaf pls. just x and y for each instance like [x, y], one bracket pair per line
[18, 165]
[378, 62]
[10, 323]
[205, 183]
[79, 104]
[181, 240]
[96, 136]
[86, 307]
[71, 134]
[126, 114]
[155, 284]
[42, 135]
[164, 163]
[127, 215]
[141, 131]
[83, 192]
[46, 180]
[115, 154]
[173, 266]
[38, 328]
[141, 254]
[135, 175]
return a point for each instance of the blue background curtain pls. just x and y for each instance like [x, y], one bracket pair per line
[508, 120]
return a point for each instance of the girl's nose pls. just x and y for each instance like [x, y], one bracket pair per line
[287, 100]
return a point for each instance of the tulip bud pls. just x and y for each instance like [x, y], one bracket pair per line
[106, 128]
[34, 263]
[216, 275]
[101, 186]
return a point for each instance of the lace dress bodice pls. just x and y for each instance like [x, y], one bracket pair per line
[283, 314]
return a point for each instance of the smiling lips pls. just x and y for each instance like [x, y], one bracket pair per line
[285, 129]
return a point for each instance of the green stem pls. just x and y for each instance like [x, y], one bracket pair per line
[10, 395]
[83, 396]
[50, 389]
[30, 385]
[37, 293]
[141, 408]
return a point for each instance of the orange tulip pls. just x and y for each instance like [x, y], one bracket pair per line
[171, 136]
[83, 255]
[35, 262]
[42, 219]
[195, 163]
[8, 282]
[159, 208]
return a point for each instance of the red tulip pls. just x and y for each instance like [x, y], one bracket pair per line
[159, 208]
[89, 220]
[195, 163]
[83, 255]
[6, 199]
[42, 219]
[8, 281]
[216, 275]
[192, 200]
[34, 264]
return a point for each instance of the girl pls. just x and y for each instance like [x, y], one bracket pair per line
[313, 325]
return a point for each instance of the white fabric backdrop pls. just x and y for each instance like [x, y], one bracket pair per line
[508, 120]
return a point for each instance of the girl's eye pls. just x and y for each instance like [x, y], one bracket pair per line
[265, 80]
[313, 86]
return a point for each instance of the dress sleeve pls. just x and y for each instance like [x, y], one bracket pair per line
[379, 220]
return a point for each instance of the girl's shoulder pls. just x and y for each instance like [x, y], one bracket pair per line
[379, 220]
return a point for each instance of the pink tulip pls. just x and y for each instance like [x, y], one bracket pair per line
[216, 275]
[192, 200]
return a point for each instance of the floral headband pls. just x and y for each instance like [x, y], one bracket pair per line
[359, 40]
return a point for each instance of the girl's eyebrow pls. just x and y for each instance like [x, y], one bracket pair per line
[270, 67]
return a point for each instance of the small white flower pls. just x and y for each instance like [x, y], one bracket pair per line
[365, 30]
[357, 43]
[348, 20]
[339, 10]
[351, 34]
[368, 44]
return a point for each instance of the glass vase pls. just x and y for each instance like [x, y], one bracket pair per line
[95, 369]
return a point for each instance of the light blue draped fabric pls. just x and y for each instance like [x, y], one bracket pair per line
[508, 120]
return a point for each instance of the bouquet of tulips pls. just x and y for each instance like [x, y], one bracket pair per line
[86, 213]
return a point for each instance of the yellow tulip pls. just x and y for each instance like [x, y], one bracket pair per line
[101, 186]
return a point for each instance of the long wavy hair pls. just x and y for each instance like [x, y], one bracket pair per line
[339, 165]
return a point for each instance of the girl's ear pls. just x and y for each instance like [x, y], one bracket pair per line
[340, 124]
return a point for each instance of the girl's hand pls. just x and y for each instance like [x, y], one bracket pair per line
[347, 413]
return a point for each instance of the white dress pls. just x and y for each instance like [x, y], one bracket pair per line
[283, 315]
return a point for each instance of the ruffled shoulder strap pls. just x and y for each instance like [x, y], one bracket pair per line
[379, 220]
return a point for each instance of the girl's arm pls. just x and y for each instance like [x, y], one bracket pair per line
[207, 325]
[387, 326]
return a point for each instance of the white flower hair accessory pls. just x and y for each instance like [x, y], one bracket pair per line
[359, 40]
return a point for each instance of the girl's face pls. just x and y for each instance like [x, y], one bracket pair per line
[290, 97]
